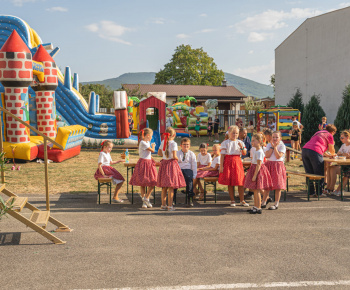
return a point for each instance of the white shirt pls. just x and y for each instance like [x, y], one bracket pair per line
[280, 148]
[344, 149]
[143, 152]
[172, 147]
[258, 155]
[189, 162]
[230, 147]
[204, 160]
[105, 159]
[216, 160]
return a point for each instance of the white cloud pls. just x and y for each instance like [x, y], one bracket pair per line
[157, 20]
[273, 19]
[20, 3]
[109, 30]
[203, 15]
[207, 30]
[57, 9]
[258, 37]
[250, 51]
[182, 36]
[259, 73]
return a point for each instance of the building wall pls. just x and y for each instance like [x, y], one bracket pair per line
[316, 59]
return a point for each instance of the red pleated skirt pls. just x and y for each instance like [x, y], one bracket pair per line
[145, 173]
[233, 173]
[111, 173]
[170, 174]
[200, 173]
[211, 173]
[263, 179]
[278, 174]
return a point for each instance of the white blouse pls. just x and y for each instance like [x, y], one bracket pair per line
[258, 155]
[230, 147]
[216, 160]
[280, 148]
[187, 161]
[105, 159]
[172, 147]
[204, 160]
[143, 152]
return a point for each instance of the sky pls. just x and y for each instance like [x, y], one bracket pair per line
[103, 39]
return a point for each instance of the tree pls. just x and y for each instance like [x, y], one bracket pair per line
[296, 102]
[105, 93]
[250, 105]
[272, 82]
[190, 67]
[342, 120]
[311, 118]
[134, 93]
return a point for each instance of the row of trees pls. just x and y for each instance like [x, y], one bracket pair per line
[312, 114]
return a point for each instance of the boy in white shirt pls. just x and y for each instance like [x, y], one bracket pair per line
[188, 164]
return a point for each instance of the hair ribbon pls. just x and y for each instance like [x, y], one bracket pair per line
[166, 136]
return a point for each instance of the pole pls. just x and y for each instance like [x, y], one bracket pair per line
[46, 176]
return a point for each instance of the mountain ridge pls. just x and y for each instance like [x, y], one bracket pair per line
[246, 86]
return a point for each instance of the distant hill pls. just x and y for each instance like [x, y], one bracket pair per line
[247, 87]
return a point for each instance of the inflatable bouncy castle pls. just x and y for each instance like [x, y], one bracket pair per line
[36, 91]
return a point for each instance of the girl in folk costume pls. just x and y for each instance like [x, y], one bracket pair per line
[203, 160]
[258, 177]
[275, 152]
[169, 175]
[105, 170]
[231, 167]
[145, 174]
[209, 171]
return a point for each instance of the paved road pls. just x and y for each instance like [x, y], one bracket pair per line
[115, 246]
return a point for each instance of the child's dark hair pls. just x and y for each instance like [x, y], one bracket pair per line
[268, 131]
[184, 140]
[210, 119]
[203, 145]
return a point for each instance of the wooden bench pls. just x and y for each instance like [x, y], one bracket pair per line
[209, 181]
[104, 182]
[289, 149]
[310, 178]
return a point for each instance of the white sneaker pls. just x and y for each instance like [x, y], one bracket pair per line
[144, 205]
[336, 193]
[148, 204]
[232, 204]
[243, 203]
[171, 208]
[163, 207]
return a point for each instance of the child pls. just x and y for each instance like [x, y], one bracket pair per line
[294, 137]
[275, 152]
[198, 126]
[258, 177]
[216, 129]
[334, 170]
[323, 125]
[203, 160]
[231, 166]
[145, 174]
[188, 165]
[105, 170]
[210, 128]
[169, 175]
[209, 171]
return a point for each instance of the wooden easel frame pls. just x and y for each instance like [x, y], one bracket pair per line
[61, 227]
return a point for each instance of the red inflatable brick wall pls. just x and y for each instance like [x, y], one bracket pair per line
[57, 155]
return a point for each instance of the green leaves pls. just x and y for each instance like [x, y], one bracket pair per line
[105, 93]
[312, 116]
[190, 67]
[342, 120]
[296, 102]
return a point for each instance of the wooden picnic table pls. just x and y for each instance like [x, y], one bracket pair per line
[341, 162]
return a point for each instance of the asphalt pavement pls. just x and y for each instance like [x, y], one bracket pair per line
[124, 246]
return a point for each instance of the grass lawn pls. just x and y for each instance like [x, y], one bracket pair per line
[75, 175]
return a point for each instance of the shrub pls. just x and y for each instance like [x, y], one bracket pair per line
[313, 113]
[296, 102]
[342, 121]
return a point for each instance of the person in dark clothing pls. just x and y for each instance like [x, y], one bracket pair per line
[243, 137]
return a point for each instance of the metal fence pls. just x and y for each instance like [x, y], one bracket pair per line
[106, 111]
[229, 117]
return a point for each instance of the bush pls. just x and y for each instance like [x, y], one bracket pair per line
[296, 102]
[342, 121]
[313, 113]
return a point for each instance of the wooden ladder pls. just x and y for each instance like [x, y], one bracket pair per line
[39, 218]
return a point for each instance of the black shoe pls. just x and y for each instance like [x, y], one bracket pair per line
[263, 205]
[268, 200]
[256, 211]
[274, 207]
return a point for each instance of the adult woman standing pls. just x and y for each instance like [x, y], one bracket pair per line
[312, 153]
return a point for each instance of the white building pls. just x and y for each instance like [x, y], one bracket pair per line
[316, 59]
